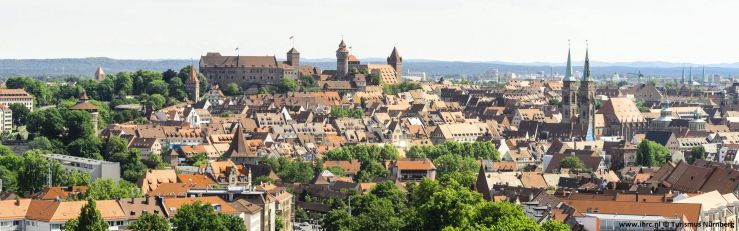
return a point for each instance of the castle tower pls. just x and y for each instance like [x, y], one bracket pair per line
[396, 62]
[293, 57]
[192, 84]
[342, 60]
[587, 94]
[569, 92]
[99, 74]
[84, 104]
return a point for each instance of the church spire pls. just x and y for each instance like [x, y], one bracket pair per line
[586, 72]
[690, 80]
[568, 70]
[683, 75]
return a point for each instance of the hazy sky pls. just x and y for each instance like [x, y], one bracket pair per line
[484, 30]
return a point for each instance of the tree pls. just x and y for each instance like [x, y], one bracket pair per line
[263, 90]
[115, 145]
[376, 80]
[451, 163]
[339, 219]
[232, 89]
[379, 209]
[78, 125]
[572, 162]
[697, 153]
[48, 123]
[279, 223]
[554, 101]
[642, 108]
[41, 143]
[287, 85]
[198, 159]
[33, 172]
[650, 153]
[37, 88]
[89, 219]
[6, 151]
[177, 89]
[553, 225]
[123, 83]
[107, 189]
[157, 87]
[86, 147]
[199, 216]
[150, 222]
[20, 114]
[336, 170]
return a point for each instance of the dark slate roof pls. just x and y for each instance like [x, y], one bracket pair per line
[661, 137]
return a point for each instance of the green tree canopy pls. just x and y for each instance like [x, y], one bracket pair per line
[89, 219]
[107, 189]
[572, 162]
[287, 85]
[232, 89]
[20, 114]
[696, 153]
[199, 216]
[650, 153]
[150, 222]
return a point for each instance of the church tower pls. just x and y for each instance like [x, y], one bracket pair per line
[192, 84]
[396, 62]
[293, 57]
[569, 92]
[587, 94]
[99, 74]
[342, 60]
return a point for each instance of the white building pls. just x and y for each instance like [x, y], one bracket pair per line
[6, 119]
[20, 96]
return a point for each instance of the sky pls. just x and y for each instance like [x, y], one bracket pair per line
[686, 31]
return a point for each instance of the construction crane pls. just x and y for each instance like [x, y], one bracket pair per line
[639, 76]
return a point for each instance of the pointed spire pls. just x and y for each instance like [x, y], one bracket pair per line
[394, 54]
[342, 44]
[586, 72]
[683, 76]
[83, 96]
[193, 77]
[690, 70]
[238, 147]
[568, 69]
[99, 74]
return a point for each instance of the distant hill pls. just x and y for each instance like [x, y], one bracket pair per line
[87, 66]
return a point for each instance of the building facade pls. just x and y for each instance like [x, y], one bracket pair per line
[20, 96]
[96, 168]
[248, 71]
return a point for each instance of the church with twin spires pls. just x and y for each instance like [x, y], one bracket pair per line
[578, 101]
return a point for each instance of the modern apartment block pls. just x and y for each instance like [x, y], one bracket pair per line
[96, 168]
